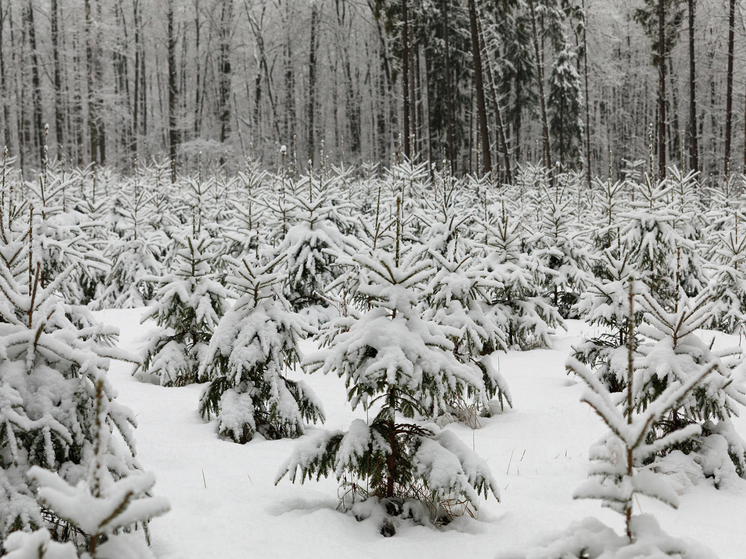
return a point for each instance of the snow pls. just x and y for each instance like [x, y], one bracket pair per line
[224, 502]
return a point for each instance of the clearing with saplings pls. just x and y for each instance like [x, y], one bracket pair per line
[375, 362]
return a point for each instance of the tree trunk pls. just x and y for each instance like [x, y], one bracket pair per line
[405, 75]
[4, 84]
[693, 148]
[59, 118]
[587, 102]
[661, 89]
[290, 116]
[547, 154]
[450, 139]
[99, 76]
[479, 86]
[173, 131]
[122, 76]
[312, 82]
[381, 124]
[729, 87]
[92, 114]
[419, 127]
[391, 458]
[675, 135]
[197, 74]
[77, 124]
[35, 83]
[139, 63]
[224, 71]
[353, 109]
[502, 142]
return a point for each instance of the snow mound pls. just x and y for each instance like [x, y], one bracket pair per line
[591, 539]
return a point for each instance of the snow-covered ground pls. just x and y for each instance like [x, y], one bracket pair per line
[225, 504]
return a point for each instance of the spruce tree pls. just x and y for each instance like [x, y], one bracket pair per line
[246, 362]
[560, 250]
[617, 473]
[392, 358]
[52, 354]
[605, 305]
[104, 512]
[667, 355]
[311, 246]
[664, 258]
[189, 305]
[136, 253]
[515, 291]
[671, 357]
[457, 300]
[728, 279]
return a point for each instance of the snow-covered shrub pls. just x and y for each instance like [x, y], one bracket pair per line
[133, 261]
[312, 246]
[516, 300]
[189, 305]
[672, 356]
[392, 358]
[102, 511]
[51, 354]
[728, 281]
[591, 539]
[457, 301]
[605, 305]
[561, 252]
[618, 473]
[667, 352]
[664, 258]
[136, 253]
[254, 344]
[37, 545]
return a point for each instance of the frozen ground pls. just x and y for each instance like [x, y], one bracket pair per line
[224, 503]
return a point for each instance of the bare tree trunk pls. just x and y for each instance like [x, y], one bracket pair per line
[502, 141]
[224, 71]
[76, 117]
[693, 148]
[4, 83]
[661, 89]
[312, 82]
[405, 75]
[479, 85]
[419, 99]
[99, 75]
[197, 89]
[413, 124]
[173, 131]
[450, 140]
[290, 116]
[92, 114]
[23, 123]
[184, 74]
[139, 64]
[35, 82]
[59, 115]
[352, 104]
[121, 67]
[729, 87]
[587, 102]
[547, 154]
[675, 136]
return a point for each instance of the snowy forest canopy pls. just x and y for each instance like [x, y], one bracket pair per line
[119, 79]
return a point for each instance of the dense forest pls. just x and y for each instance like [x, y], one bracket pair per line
[484, 85]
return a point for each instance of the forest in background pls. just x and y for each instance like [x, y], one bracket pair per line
[559, 81]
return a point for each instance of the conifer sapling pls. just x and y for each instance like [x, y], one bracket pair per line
[252, 348]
